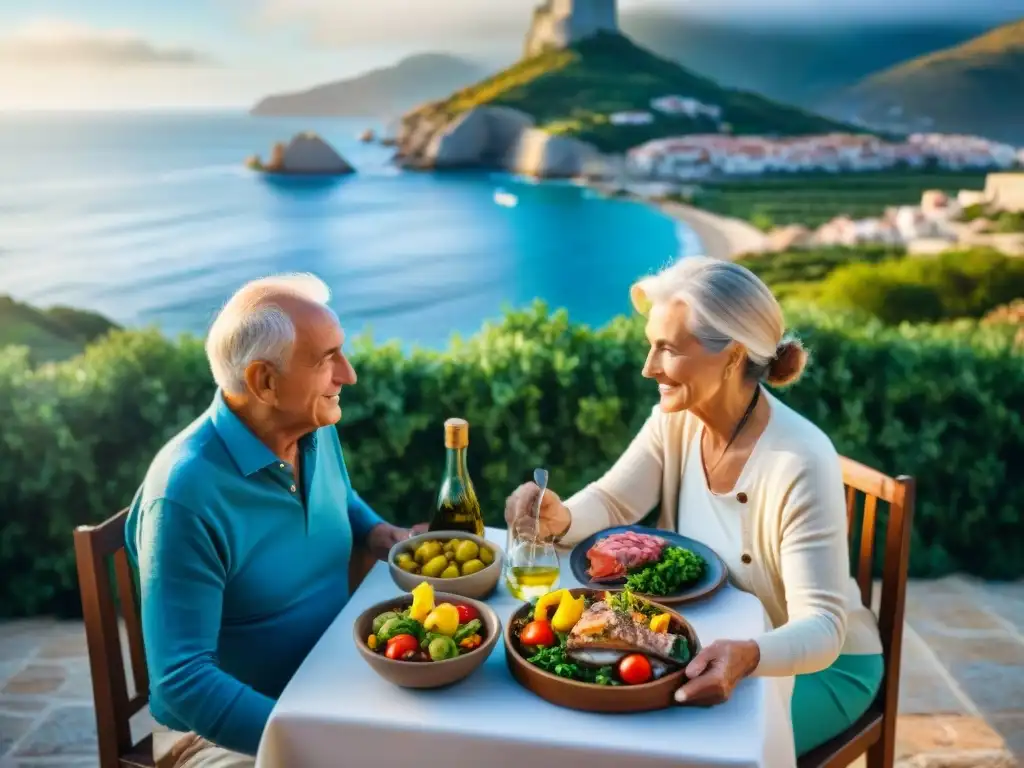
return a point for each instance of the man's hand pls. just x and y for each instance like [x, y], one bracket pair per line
[384, 536]
[717, 670]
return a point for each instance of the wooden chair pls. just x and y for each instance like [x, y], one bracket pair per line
[95, 547]
[875, 733]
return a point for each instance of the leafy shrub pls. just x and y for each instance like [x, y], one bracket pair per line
[975, 211]
[1009, 222]
[927, 289]
[944, 404]
[51, 334]
[813, 264]
[1001, 221]
[762, 221]
[1011, 314]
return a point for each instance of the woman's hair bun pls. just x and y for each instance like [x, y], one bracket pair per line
[788, 363]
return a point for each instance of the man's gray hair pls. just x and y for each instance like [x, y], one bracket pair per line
[726, 302]
[251, 326]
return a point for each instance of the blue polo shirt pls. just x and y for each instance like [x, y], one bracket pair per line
[240, 570]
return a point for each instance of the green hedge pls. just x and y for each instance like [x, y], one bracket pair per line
[920, 289]
[943, 404]
[800, 272]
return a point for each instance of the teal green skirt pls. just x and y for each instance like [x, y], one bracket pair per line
[828, 702]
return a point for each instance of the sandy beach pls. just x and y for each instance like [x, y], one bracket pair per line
[722, 237]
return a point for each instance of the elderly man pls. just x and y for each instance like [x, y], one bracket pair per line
[243, 528]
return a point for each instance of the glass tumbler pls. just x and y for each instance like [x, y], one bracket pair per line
[532, 565]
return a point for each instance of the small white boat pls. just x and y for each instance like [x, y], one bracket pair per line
[506, 199]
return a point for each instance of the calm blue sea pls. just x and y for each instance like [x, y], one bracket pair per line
[152, 219]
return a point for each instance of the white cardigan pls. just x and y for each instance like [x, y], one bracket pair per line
[796, 537]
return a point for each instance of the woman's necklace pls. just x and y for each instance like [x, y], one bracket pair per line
[735, 433]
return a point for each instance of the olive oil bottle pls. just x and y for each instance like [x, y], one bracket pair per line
[457, 506]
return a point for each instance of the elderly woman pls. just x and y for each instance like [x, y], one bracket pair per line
[732, 466]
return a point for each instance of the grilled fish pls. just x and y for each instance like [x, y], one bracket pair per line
[602, 628]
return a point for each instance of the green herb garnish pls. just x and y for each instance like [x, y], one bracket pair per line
[555, 661]
[676, 568]
[626, 602]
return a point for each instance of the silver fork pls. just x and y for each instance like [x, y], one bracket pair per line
[540, 477]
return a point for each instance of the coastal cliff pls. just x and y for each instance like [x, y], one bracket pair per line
[494, 137]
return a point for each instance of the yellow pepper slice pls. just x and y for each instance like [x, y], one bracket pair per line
[422, 601]
[544, 602]
[444, 620]
[568, 613]
[660, 623]
[372, 642]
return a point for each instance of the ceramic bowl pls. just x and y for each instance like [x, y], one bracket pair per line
[591, 697]
[477, 585]
[426, 674]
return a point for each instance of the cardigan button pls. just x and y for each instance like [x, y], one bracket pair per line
[746, 559]
[741, 497]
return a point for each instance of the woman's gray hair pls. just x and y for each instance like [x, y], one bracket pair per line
[251, 326]
[727, 302]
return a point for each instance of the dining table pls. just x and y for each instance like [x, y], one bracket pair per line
[337, 712]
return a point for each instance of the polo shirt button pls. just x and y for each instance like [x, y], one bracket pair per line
[281, 465]
[741, 498]
[746, 559]
[292, 489]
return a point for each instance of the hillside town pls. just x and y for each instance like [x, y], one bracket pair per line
[702, 156]
[940, 222]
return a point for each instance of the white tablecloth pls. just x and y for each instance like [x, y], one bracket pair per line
[338, 713]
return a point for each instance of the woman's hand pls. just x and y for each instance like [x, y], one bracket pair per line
[554, 515]
[716, 671]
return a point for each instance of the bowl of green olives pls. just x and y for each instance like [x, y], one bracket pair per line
[450, 561]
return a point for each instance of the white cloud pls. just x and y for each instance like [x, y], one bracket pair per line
[333, 24]
[58, 42]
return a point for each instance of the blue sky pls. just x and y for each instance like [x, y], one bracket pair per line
[76, 54]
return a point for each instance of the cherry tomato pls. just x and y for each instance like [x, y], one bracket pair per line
[402, 647]
[635, 669]
[466, 613]
[538, 633]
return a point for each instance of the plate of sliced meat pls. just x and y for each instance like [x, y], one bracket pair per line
[661, 565]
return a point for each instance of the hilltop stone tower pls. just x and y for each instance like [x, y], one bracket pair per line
[560, 23]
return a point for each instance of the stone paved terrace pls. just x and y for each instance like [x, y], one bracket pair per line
[962, 690]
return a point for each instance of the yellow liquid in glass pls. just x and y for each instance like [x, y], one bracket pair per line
[530, 581]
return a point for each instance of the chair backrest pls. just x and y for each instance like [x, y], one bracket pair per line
[98, 550]
[898, 494]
